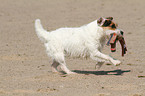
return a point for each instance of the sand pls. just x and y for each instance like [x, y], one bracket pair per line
[25, 68]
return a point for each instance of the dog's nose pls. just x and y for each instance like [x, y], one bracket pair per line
[121, 32]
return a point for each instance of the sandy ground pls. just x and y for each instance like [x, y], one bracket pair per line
[25, 68]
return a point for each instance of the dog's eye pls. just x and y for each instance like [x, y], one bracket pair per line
[113, 26]
[106, 23]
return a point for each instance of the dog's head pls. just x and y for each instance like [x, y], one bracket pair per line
[111, 30]
[107, 23]
[109, 26]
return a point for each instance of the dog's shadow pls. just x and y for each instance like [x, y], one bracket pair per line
[114, 72]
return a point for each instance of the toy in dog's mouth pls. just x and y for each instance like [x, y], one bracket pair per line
[114, 38]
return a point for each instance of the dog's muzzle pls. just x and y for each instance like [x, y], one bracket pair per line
[117, 37]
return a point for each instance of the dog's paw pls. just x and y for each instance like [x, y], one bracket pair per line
[116, 62]
[71, 73]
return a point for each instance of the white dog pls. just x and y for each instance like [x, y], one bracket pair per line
[84, 41]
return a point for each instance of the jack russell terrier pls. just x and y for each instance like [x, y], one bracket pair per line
[85, 41]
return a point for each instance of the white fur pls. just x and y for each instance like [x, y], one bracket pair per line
[84, 41]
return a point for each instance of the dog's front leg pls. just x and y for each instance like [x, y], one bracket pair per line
[97, 54]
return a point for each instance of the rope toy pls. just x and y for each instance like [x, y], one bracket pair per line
[113, 39]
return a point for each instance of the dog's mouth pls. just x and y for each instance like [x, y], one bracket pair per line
[114, 37]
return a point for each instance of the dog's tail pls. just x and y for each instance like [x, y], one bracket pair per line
[40, 31]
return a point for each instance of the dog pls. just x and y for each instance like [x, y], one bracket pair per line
[85, 41]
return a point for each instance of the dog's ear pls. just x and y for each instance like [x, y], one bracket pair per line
[99, 20]
[111, 18]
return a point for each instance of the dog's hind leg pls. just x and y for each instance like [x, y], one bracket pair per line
[59, 57]
[65, 69]
[54, 66]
